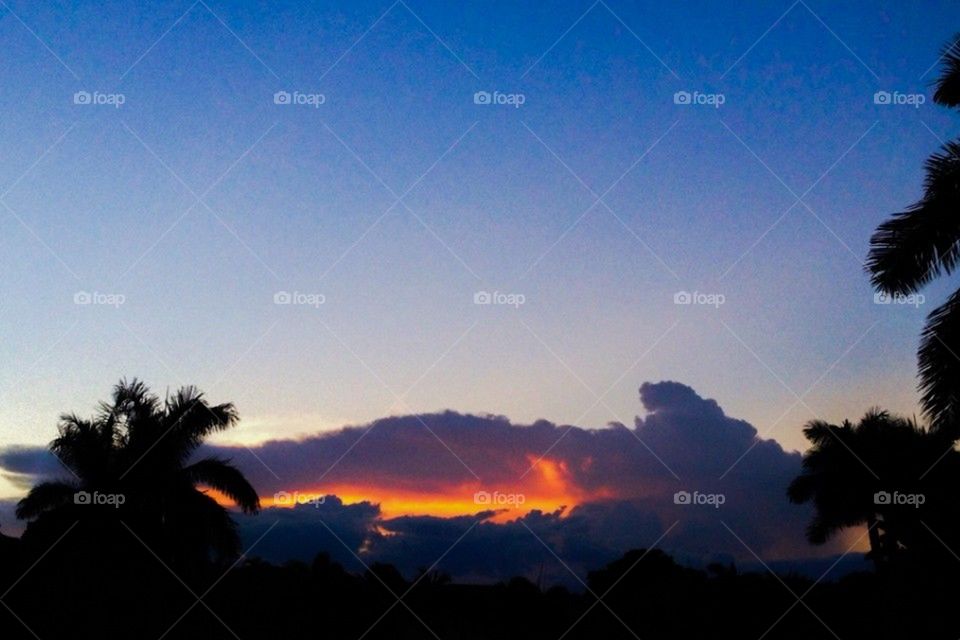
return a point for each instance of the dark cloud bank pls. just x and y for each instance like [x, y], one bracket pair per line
[684, 443]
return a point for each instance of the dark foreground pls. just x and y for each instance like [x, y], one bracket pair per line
[128, 593]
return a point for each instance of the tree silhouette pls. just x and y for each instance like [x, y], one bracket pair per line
[141, 448]
[915, 246]
[887, 473]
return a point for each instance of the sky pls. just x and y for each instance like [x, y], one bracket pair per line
[174, 173]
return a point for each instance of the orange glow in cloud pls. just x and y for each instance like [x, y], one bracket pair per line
[548, 486]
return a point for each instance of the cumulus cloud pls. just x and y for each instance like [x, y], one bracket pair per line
[608, 490]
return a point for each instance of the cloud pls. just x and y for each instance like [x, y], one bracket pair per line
[407, 489]
[472, 547]
[282, 534]
[22, 465]
[625, 479]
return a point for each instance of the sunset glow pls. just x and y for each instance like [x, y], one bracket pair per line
[547, 487]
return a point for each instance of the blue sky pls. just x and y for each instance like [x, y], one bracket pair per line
[399, 198]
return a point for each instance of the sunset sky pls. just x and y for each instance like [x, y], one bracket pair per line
[153, 234]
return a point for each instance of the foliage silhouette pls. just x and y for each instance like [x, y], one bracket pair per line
[136, 454]
[887, 473]
[917, 245]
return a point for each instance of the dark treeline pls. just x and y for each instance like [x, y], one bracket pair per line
[122, 591]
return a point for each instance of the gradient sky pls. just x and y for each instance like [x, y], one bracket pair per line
[199, 199]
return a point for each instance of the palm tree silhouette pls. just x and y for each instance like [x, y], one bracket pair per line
[141, 448]
[915, 246]
[852, 473]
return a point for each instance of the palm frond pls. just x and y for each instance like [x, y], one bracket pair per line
[188, 419]
[939, 363]
[818, 431]
[917, 245]
[947, 90]
[222, 476]
[44, 497]
[83, 446]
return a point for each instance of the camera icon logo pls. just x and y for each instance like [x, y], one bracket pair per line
[282, 297]
[82, 97]
[482, 497]
[81, 497]
[282, 497]
[482, 97]
[882, 298]
[881, 97]
[682, 297]
[281, 97]
[881, 497]
[482, 297]
[681, 97]
[82, 297]
[681, 497]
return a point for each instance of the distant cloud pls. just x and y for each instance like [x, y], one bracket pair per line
[23, 465]
[609, 489]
